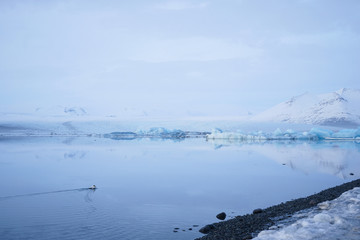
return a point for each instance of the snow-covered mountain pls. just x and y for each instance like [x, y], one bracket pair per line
[339, 108]
[60, 111]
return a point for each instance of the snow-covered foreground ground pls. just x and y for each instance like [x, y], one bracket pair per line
[336, 219]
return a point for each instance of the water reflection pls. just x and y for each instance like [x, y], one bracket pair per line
[88, 199]
[147, 188]
[74, 155]
[339, 158]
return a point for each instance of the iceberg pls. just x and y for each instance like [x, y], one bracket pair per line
[155, 132]
[320, 133]
[289, 134]
[347, 133]
[161, 132]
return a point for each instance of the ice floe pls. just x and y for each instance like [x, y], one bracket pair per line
[155, 132]
[289, 134]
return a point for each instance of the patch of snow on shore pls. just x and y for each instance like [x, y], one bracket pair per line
[336, 219]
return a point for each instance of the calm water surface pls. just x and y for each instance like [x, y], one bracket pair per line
[147, 188]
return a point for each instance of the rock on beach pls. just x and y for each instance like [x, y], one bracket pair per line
[249, 225]
[221, 216]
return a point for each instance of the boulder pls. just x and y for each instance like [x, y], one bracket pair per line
[221, 216]
[257, 211]
[206, 229]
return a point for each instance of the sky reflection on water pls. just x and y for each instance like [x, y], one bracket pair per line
[147, 188]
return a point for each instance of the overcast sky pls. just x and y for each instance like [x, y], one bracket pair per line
[201, 58]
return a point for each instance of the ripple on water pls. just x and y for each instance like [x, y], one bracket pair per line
[68, 215]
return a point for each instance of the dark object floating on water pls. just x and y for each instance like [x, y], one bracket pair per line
[190, 229]
[176, 228]
[351, 174]
[258, 210]
[221, 216]
[195, 225]
[175, 231]
[206, 229]
[93, 187]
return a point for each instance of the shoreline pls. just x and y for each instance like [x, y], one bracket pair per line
[248, 226]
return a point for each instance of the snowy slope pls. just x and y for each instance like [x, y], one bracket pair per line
[340, 108]
[60, 111]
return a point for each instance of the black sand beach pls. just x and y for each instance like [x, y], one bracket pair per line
[248, 226]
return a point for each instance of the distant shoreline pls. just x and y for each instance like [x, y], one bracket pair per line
[248, 226]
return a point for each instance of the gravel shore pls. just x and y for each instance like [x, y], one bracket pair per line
[248, 226]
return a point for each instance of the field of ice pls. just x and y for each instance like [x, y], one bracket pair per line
[315, 133]
[232, 129]
[336, 219]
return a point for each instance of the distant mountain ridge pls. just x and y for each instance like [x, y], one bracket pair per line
[61, 111]
[339, 108]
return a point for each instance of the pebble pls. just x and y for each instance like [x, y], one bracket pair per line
[257, 211]
[207, 228]
[247, 237]
[221, 216]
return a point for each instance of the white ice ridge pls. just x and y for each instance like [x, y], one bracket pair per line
[156, 132]
[313, 134]
[159, 131]
[336, 219]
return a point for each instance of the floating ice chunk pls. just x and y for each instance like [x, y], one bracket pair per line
[321, 133]
[289, 134]
[347, 133]
[161, 132]
[290, 131]
[216, 130]
[277, 133]
[236, 135]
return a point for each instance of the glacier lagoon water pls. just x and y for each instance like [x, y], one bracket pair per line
[147, 188]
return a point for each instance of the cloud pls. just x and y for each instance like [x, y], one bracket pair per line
[180, 5]
[194, 49]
